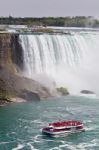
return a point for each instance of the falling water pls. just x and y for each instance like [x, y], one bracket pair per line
[70, 60]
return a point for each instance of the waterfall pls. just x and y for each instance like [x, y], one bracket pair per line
[71, 60]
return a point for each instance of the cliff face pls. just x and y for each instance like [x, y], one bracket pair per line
[11, 51]
[11, 83]
[5, 49]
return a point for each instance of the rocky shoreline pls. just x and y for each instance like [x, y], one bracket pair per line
[15, 88]
[4, 102]
[13, 100]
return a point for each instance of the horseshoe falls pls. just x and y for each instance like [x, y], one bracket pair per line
[69, 60]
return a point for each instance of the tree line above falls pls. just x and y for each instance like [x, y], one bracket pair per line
[78, 21]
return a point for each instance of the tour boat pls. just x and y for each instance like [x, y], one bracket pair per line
[63, 127]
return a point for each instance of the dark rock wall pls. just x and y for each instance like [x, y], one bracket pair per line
[17, 53]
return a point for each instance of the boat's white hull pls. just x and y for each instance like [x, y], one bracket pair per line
[62, 132]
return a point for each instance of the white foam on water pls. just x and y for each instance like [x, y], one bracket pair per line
[26, 127]
[61, 141]
[82, 146]
[31, 146]
[87, 121]
[91, 128]
[89, 145]
[69, 146]
[55, 148]
[4, 143]
[19, 146]
[62, 135]
[92, 96]
[38, 121]
[38, 139]
[60, 147]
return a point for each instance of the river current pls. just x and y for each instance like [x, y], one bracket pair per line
[21, 124]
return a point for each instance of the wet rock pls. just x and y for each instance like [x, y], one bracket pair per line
[87, 92]
[62, 91]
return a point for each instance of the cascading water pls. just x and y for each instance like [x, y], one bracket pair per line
[71, 60]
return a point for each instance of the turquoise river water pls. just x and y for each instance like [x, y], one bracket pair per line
[21, 124]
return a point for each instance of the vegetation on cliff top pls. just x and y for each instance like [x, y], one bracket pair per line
[78, 21]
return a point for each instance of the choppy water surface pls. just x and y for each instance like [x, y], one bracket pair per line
[20, 124]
